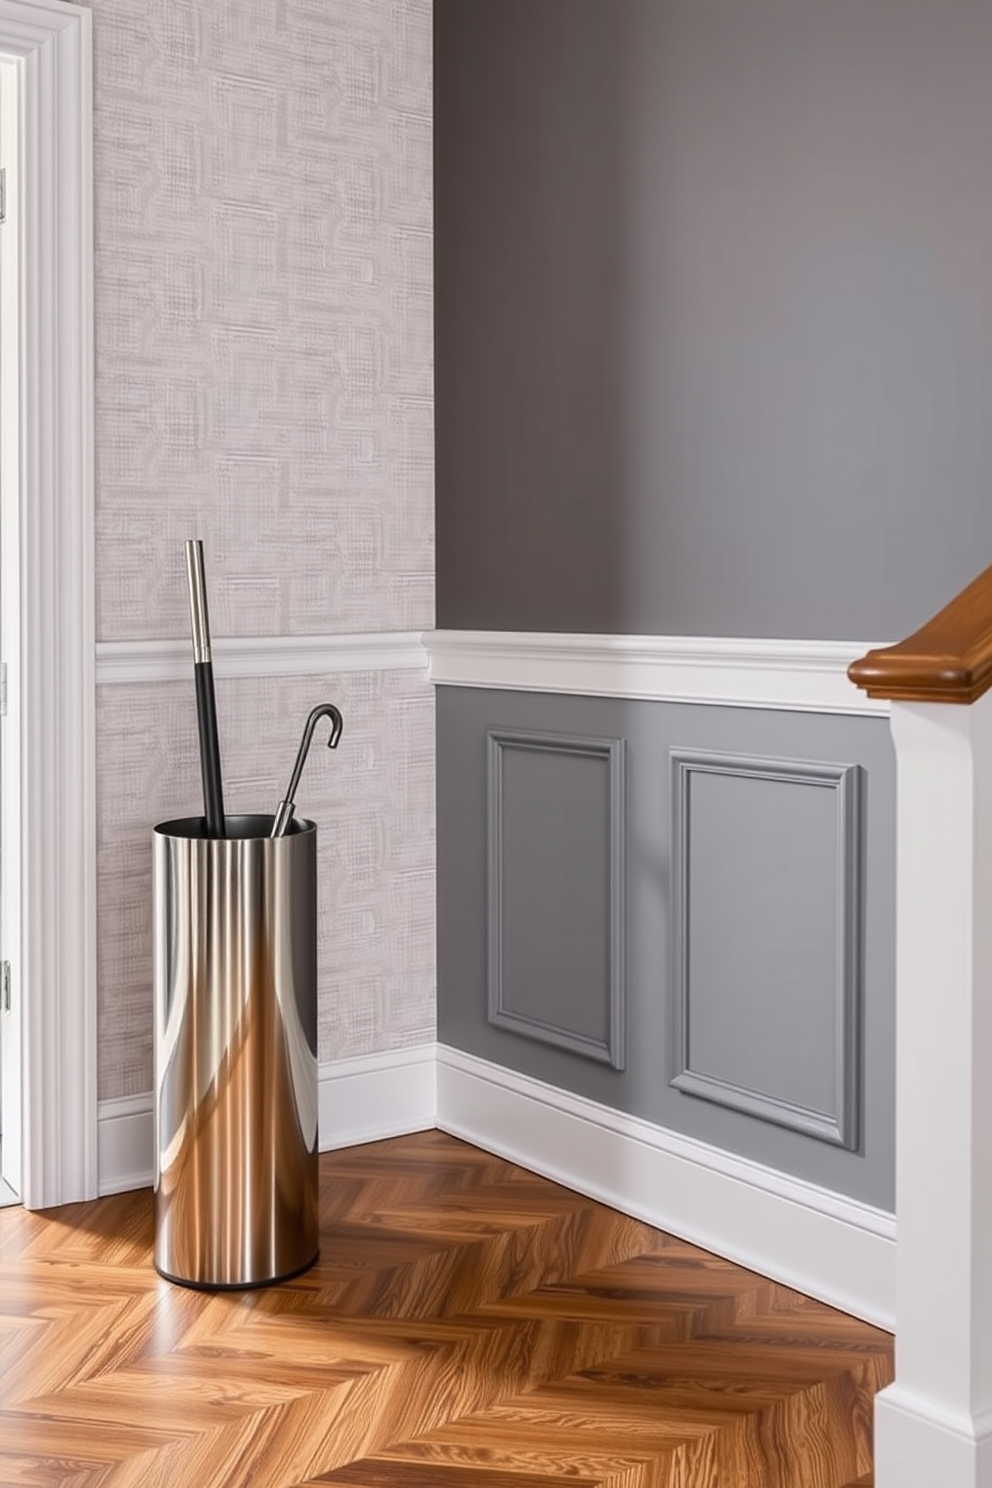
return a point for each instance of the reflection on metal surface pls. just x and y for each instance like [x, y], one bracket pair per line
[235, 1052]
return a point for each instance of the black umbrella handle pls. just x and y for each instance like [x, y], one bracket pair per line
[206, 713]
[206, 706]
[284, 815]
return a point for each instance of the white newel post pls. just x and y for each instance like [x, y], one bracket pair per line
[934, 1424]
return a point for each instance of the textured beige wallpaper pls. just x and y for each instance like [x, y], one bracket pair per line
[264, 313]
[373, 802]
[264, 381]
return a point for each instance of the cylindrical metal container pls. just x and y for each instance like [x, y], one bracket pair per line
[235, 1052]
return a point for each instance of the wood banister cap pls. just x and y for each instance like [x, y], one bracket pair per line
[948, 660]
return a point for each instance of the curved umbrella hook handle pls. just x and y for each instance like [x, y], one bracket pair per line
[283, 817]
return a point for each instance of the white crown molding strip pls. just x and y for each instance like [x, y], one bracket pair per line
[806, 1237]
[358, 1100]
[804, 676]
[262, 656]
[799, 676]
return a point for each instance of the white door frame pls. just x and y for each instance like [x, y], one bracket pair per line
[11, 1099]
[51, 659]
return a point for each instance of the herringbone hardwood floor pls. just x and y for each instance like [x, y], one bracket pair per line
[469, 1325]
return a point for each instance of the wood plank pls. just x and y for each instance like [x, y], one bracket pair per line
[467, 1323]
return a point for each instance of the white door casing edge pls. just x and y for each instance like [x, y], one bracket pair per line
[52, 671]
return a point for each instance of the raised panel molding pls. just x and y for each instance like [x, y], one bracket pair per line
[841, 1125]
[611, 752]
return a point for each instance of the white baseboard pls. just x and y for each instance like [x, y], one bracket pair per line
[806, 1237]
[799, 676]
[125, 1144]
[920, 1443]
[376, 1096]
[359, 1100]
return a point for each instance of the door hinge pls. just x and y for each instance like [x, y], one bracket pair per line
[5, 984]
[3, 193]
[3, 689]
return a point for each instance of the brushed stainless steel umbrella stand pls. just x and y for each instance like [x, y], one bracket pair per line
[235, 1012]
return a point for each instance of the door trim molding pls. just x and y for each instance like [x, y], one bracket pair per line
[51, 668]
[11, 1093]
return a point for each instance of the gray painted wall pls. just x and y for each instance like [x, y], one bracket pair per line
[782, 963]
[713, 321]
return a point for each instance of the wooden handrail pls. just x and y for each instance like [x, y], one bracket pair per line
[948, 660]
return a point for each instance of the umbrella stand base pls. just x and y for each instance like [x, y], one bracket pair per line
[238, 1286]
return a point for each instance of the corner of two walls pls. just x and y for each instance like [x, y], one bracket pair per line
[264, 382]
[694, 345]
[264, 273]
[666, 950]
[701, 373]
[682, 912]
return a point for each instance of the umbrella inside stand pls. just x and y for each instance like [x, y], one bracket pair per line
[284, 815]
[206, 707]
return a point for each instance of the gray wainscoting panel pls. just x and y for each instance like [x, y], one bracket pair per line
[744, 870]
[766, 938]
[556, 890]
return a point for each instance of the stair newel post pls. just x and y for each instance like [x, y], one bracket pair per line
[933, 1425]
